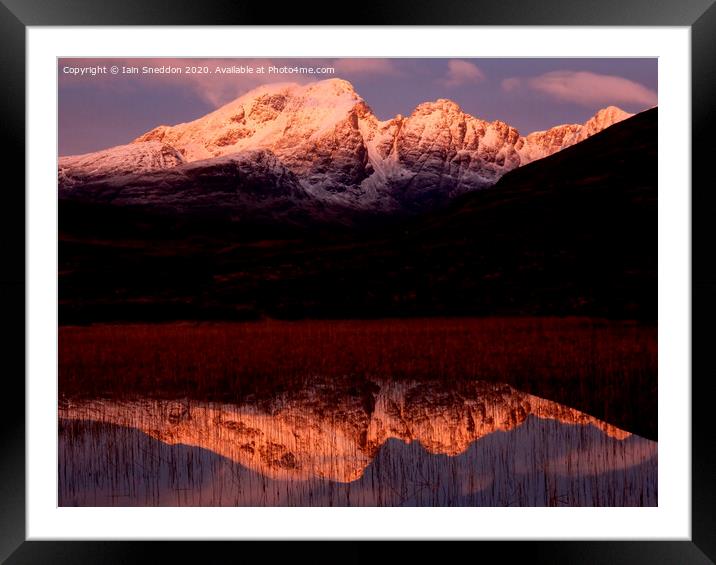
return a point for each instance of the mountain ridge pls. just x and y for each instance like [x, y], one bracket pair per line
[341, 154]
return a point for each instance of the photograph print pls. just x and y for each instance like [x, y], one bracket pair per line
[357, 282]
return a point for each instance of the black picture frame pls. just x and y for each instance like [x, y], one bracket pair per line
[16, 15]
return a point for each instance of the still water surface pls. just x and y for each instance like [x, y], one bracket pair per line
[404, 444]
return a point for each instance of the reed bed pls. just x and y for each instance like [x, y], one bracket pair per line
[605, 368]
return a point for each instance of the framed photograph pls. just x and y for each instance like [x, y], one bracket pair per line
[424, 275]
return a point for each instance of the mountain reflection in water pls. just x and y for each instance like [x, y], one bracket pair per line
[414, 444]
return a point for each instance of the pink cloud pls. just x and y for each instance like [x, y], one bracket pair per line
[214, 88]
[586, 88]
[359, 66]
[461, 72]
[510, 84]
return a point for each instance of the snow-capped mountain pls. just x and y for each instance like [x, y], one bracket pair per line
[250, 184]
[340, 153]
[541, 144]
[118, 161]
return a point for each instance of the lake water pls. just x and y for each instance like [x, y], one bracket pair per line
[404, 444]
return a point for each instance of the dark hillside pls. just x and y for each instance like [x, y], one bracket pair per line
[571, 234]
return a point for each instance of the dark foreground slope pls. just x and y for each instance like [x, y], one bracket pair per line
[575, 233]
[572, 234]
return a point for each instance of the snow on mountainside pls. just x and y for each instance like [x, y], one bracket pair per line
[274, 115]
[253, 182]
[117, 161]
[541, 144]
[341, 153]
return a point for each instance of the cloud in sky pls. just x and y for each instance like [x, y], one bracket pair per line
[460, 73]
[218, 89]
[103, 110]
[215, 89]
[510, 84]
[359, 66]
[585, 88]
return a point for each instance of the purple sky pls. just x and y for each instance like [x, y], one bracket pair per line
[104, 110]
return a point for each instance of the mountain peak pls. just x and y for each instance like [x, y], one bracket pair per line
[603, 119]
[610, 115]
[444, 105]
[611, 111]
[333, 85]
[280, 95]
[331, 91]
[276, 116]
[539, 144]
